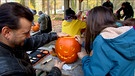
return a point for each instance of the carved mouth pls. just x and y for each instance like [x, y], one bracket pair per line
[66, 57]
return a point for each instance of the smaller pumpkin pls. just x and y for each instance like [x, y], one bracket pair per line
[35, 27]
[67, 48]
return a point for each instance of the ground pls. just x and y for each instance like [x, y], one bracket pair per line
[56, 25]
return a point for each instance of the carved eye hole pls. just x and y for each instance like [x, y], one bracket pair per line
[61, 47]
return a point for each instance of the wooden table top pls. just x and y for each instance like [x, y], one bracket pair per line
[76, 66]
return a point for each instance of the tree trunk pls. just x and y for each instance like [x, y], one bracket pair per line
[26, 2]
[87, 3]
[76, 4]
[102, 2]
[73, 4]
[54, 7]
[48, 12]
[22, 2]
[5, 1]
[32, 2]
[66, 5]
[97, 3]
[43, 5]
[80, 5]
[80, 2]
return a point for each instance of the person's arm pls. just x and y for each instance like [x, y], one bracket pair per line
[124, 13]
[97, 63]
[56, 70]
[118, 13]
[14, 74]
[37, 41]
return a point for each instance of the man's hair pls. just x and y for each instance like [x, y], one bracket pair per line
[126, 4]
[10, 14]
[40, 12]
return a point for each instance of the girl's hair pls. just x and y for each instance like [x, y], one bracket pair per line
[98, 18]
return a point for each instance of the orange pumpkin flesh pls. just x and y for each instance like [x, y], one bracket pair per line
[66, 49]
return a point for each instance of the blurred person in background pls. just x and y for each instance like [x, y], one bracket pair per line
[109, 49]
[71, 25]
[108, 4]
[127, 9]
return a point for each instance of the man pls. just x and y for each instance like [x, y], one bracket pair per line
[127, 9]
[108, 4]
[45, 22]
[15, 24]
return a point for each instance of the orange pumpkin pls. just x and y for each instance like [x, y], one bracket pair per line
[35, 27]
[66, 49]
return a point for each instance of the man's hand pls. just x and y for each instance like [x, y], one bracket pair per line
[59, 64]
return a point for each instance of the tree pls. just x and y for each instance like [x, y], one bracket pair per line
[73, 4]
[22, 2]
[6, 1]
[66, 5]
[32, 2]
[43, 5]
[48, 12]
[54, 7]
[80, 1]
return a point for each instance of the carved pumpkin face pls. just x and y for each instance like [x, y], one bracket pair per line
[66, 49]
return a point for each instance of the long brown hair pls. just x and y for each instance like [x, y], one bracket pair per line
[98, 18]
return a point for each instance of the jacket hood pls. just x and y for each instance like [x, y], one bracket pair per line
[121, 39]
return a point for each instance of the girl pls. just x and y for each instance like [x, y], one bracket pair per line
[109, 48]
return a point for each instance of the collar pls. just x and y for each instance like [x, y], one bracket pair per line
[5, 46]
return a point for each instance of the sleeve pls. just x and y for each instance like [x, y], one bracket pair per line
[14, 74]
[37, 41]
[55, 71]
[98, 64]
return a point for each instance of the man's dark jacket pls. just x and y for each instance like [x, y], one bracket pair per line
[15, 61]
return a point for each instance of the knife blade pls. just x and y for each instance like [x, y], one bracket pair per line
[46, 61]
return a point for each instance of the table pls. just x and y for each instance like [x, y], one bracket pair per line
[77, 71]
